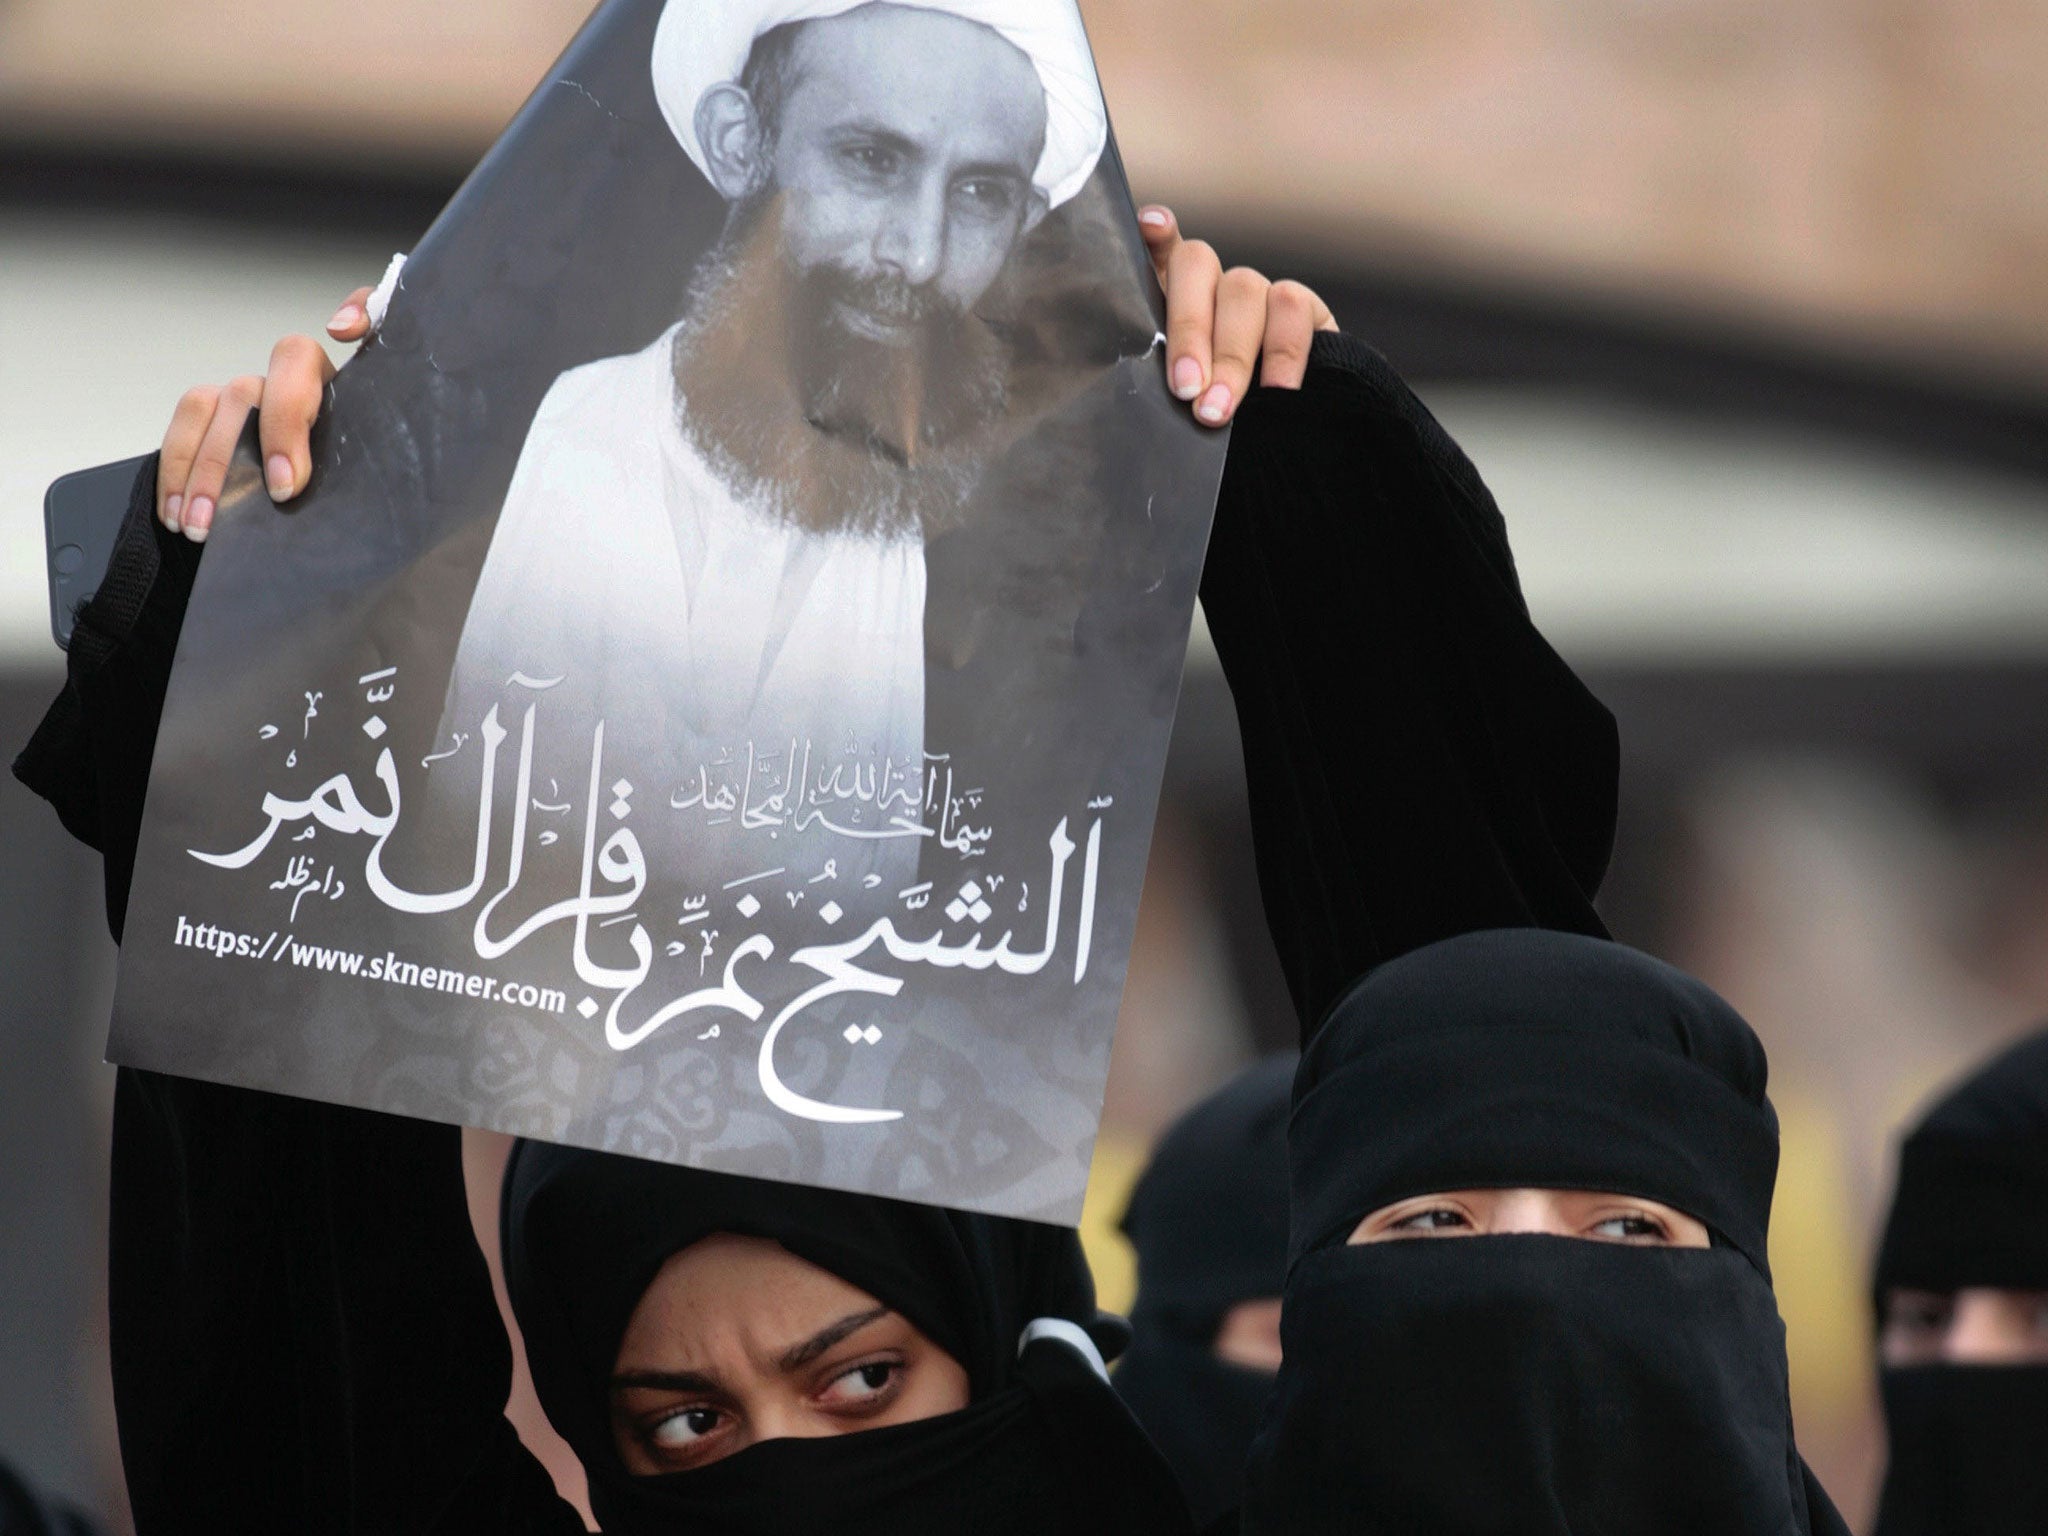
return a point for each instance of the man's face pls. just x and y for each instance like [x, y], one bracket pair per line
[903, 159]
[834, 361]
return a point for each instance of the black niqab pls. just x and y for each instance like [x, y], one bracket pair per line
[1042, 1445]
[1533, 1385]
[1208, 1220]
[1966, 1441]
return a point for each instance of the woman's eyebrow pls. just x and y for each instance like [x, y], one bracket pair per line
[799, 1355]
[665, 1381]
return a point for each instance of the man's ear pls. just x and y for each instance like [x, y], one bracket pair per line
[735, 149]
[1036, 207]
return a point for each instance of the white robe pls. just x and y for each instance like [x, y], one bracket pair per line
[697, 628]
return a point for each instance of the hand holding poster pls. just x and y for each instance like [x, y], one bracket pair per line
[711, 702]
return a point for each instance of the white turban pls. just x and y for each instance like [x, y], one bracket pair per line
[702, 43]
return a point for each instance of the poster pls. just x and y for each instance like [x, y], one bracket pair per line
[711, 701]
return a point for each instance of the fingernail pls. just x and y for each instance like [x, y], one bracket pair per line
[199, 518]
[345, 317]
[277, 474]
[1187, 378]
[171, 504]
[1214, 403]
[1157, 218]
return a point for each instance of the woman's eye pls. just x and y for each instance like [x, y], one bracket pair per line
[686, 1427]
[1925, 1314]
[863, 1383]
[1437, 1218]
[1633, 1228]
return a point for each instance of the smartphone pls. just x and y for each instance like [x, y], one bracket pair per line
[82, 514]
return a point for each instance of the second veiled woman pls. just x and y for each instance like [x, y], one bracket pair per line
[1208, 1220]
[1962, 1292]
[1609, 1358]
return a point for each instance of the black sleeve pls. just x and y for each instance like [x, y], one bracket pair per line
[1421, 763]
[90, 756]
[304, 1335]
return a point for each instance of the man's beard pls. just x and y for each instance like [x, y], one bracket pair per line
[812, 422]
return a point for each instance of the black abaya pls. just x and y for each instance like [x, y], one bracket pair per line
[1420, 762]
[1208, 1222]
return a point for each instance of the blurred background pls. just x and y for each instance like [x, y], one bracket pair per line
[1738, 305]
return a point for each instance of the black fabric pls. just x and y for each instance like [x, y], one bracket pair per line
[1966, 1441]
[1536, 1060]
[90, 756]
[278, 1270]
[1977, 1158]
[583, 1234]
[1967, 1450]
[1200, 1411]
[1421, 763]
[1047, 1453]
[1040, 1447]
[1531, 1384]
[1208, 1221]
[1208, 1217]
[1534, 1385]
[304, 1338]
[303, 1332]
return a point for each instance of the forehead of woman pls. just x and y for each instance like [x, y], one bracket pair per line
[1530, 1059]
[744, 1301]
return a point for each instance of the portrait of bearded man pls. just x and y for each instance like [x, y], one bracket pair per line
[718, 542]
